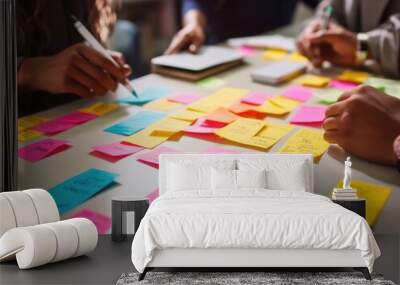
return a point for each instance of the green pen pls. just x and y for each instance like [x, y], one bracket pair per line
[326, 17]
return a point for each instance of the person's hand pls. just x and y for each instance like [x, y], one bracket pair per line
[78, 69]
[336, 45]
[363, 126]
[191, 36]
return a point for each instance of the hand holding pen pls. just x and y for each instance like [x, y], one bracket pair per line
[91, 40]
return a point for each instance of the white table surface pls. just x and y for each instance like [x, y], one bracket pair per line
[137, 179]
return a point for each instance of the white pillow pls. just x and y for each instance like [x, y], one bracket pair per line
[288, 174]
[251, 178]
[223, 179]
[226, 179]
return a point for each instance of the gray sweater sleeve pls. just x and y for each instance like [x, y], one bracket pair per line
[384, 43]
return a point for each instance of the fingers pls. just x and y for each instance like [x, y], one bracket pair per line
[95, 73]
[73, 87]
[178, 43]
[335, 109]
[101, 61]
[92, 85]
[331, 123]
[120, 59]
[332, 136]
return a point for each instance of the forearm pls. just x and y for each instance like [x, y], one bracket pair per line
[384, 45]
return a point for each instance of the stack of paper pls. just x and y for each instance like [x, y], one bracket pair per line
[207, 61]
[344, 194]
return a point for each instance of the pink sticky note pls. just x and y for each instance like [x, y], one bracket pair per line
[115, 151]
[53, 127]
[184, 97]
[246, 51]
[76, 118]
[42, 149]
[198, 128]
[102, 222]
[153, 195]
[217, 149]
[298, 93]
[151, 157]
[256, 98]
[344, 85]
[64, 123]
[309, 115]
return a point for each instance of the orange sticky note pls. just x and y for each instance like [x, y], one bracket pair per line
[239, 108]
[222, 115]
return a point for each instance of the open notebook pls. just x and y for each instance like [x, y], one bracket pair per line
[185, 65]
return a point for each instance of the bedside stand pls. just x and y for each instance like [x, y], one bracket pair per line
[357, 206]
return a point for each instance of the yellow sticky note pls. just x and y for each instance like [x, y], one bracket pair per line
[222, 98]
[269, 135]
[168, 127]
[28, 122]
[27, 135]
[354, 76]
[243, 127]
[274, 54]
[162, 105]
[100, 108]
[306, 141]
[271, 109]
[314, 80]
[284, 103]
[296, 56]
[375, 196]
[145, 138]
[187, 115]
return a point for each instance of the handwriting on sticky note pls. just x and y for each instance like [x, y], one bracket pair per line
[135, 123]
[243, 127]
[375, 196]
[153, 195]
[145, 96]
[151, 158]
[298, 93]
[309, 114]
[100, 108]
[306, 141]
[42, 149]
[117, 149]
[76, 190]
[146, 139]
[184, 97]
[168, 127]
[187, 115]
[256, 98]
[314, 80]
[102, 222]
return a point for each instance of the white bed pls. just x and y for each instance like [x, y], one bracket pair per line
[201, 220]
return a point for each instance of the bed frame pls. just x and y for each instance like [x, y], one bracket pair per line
[242, 259]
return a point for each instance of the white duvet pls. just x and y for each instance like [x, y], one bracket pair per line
[250, 219]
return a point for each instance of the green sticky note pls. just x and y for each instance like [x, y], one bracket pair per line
[328, 96]
[211, 83]
[389, 86]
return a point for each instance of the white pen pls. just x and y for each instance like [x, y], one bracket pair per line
[97, 46]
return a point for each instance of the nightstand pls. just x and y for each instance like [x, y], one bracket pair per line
[357, 206]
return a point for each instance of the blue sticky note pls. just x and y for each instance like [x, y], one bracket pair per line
[145, 96]
[135, 123]
[76, 190]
